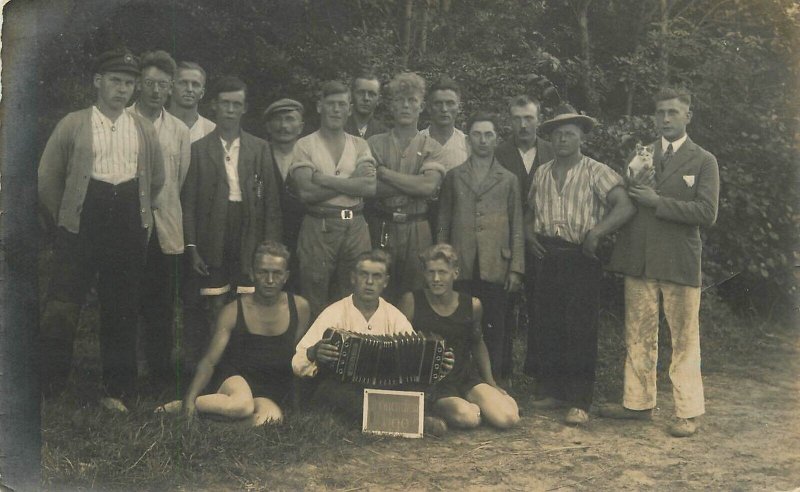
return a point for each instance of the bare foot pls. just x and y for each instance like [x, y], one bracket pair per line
[113, 404]
[171, 407]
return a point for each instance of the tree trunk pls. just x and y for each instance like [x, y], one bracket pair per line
[408, 16]
[664, 59]
[589, 89]
[423, 33]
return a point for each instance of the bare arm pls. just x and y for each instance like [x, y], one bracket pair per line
[205, 368]
[303, 317]
[406, 305]
[417, 185]
[362, 183]
[479, 350]
[622, 210]
[308, 190]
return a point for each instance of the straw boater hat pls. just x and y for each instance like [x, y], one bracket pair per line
[566, 114]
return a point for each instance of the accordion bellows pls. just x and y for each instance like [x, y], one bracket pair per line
[387, 360]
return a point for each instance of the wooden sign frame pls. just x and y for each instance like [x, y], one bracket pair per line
[402, 423]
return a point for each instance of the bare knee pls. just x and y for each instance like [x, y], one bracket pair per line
[465, 415]
[266, 412]
[502, 416]
[239, 408]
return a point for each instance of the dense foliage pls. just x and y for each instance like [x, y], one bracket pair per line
[739, 57]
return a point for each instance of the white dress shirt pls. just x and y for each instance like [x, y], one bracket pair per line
[344, 315]
[232, 169]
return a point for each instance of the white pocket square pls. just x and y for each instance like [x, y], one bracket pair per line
[689, 180]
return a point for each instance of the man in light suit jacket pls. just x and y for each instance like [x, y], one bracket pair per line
[480, 215]
[659, 253]
[230, 204]
[521, 155]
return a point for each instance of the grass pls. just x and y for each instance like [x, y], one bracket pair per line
[87, 447]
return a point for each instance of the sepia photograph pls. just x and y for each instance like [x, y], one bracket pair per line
[348, 245]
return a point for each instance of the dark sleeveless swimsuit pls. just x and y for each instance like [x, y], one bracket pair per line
[264, 361]
[456, 329]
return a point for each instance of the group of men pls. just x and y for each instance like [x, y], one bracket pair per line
[156, 202]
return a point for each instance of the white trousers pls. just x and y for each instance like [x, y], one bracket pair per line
[682, 309]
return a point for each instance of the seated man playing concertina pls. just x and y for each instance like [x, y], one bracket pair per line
[248, 362]
[362, 312]
[469, 393]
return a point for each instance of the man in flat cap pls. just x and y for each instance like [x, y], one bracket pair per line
[99, 176]
[189, 89]
[284, 121]
[574, 201]
[165, 250]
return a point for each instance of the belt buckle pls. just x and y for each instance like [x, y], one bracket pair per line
[399, 218]
[346, 214]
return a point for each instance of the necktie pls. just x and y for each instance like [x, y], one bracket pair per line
[667, 156]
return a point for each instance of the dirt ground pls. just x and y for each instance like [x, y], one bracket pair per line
[749, 440]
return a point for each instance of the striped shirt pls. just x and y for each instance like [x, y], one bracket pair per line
[115, 147]
[572, 212]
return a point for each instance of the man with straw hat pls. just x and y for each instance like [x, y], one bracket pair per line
[574, 202]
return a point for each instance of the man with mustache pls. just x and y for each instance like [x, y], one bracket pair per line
[521, 155]
[99, 177]
[365, 91]
[284, 121]
[332, 172]
[189, 89]
[409, 172]
[164, 253]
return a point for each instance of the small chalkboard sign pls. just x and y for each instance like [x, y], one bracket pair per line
[393, 413]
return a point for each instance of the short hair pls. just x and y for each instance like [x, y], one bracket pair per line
[405, 83]
[332, 87]
[483, 116]
[445, 83]
[377, 255]
[667, 93]
[161, 60]
[440, 251]
[228, 83]
[189, 65]
[272, 248]
[366, 74]
[522, 100]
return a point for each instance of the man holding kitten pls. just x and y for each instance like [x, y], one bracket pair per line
[659, 253]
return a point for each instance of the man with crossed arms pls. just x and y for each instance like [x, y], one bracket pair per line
[332, 172]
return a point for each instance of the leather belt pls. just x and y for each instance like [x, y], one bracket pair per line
[399, 217]
[335, 212]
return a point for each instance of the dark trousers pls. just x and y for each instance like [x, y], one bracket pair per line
[162, 275]
[494, 300]
[111, 245]
[531, 365]
[567, 284]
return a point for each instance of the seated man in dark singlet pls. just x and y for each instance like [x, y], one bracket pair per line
[250, 354]
[469, 393]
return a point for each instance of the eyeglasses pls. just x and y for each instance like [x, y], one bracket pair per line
[162, 84]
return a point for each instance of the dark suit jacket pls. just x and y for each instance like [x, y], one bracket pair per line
[204, 198]
[374, 127]
[483, 220]
[509, 157]
[663, 243]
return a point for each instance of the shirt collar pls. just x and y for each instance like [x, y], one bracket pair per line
[234, 144]
[675, 145]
